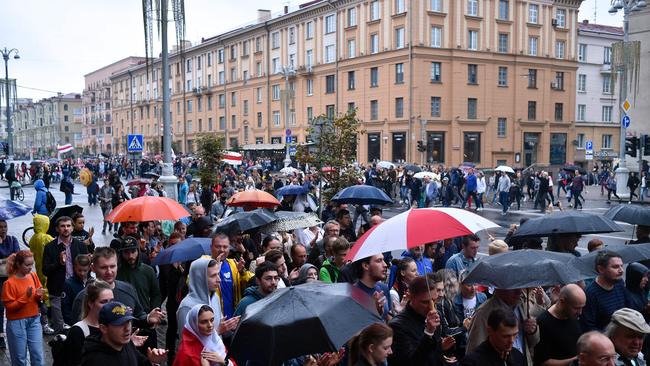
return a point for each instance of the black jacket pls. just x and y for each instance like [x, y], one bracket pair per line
[485, 355]
[97, 352]
[52, 267]
[410, 345]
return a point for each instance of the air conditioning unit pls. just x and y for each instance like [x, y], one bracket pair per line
[554, 85]
[554, 22]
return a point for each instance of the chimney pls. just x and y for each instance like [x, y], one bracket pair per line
[263, 15]
[586, 21]
[286, 9]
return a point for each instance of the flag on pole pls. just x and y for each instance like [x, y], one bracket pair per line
[232, 158]
[61, 149]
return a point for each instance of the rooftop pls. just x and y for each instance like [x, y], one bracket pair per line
[585, 26]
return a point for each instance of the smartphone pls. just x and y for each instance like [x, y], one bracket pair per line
[453, 332]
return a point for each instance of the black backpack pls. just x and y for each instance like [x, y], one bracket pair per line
[50, 202]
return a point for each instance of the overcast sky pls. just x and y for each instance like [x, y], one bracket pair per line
[62, 40]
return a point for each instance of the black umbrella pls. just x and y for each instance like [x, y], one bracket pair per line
[524, 269]
[629, 253]
[573, 168]
[244, 221]
[60, 212]
[306, 319]
[632, 214]
[413, 168]
[566, 222]
[362, 194]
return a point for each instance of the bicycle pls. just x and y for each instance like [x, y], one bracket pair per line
[17, 190]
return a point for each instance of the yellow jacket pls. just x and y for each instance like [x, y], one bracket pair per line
[38, 242]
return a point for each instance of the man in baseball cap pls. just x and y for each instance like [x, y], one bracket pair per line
[626, 329]
[114, 347]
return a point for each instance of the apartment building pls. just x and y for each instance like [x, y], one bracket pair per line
[597, 103]
[483, 81]
[96, 105]
[40, 126]
[639, 29]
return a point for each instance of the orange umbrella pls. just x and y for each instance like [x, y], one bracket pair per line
[147, 208]
[254, 198]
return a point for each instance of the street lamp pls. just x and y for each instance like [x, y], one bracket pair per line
[628, 6]
[287, 72]
[6, 53]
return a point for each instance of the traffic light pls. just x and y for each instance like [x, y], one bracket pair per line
[421, 147]
[645, 144]
[631, 145]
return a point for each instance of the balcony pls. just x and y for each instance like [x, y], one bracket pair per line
[606, 69]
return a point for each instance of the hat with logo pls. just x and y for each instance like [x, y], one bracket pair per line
[115, 313]
[129, 242]
[631, 319]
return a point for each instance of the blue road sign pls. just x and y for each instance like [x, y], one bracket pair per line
[134, 143]
[626, 121]
[589, 145]
[288, 132]
[292, 150]
[289, 139]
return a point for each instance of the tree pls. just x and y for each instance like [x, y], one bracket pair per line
[154, 146]
[335, 149]
[210, 152]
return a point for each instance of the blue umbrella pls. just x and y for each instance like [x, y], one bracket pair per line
[187, 250]
[11, 209]
[291, 190]
[362, 195]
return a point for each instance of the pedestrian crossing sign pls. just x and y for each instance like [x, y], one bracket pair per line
[134, 143]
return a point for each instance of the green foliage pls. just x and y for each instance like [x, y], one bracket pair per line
[210, 152]
[154, 146]
[335, 149]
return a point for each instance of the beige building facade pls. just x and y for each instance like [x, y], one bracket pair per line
[41, 126]
[482, 81]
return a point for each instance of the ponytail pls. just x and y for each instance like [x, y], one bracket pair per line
[17, 259]
[372, 334]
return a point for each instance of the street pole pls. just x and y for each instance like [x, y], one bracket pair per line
[287, 156]
[10, 129]
[167, 177]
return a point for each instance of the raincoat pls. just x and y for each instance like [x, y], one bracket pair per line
[38, 242]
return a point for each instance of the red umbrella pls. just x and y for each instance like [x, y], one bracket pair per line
[138, 182]
[417, 227]
[147, 208]
[253, 199]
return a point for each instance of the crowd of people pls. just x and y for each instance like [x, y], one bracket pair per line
[104, 301]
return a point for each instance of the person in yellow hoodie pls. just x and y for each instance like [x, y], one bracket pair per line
[234, 276]
[37, 245]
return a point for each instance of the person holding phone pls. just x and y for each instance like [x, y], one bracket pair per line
[21, 295]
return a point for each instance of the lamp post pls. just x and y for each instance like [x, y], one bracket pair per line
[287, 72]
[628, 6]
[6, 53]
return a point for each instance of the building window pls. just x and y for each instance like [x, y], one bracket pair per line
[276, 118]
[472, 147]
[292, 35]
[222, 101]
[472, 105]
[351, 80]
[329, 111]
[374, 77]
[374, 43]
[309, 30]
[292, 61]
[582, 111]
[581, 140]
[503, 76]
[607, 55]
[275, 92]
[559, 80]
[189, 107]
[532, 46]
[607, 84]
[501, 127]
[473, 40]
[374, 110]
[399, 37]
[399, 107]
[435, 147]
[188, 65]
[399, 73]
[309, 58]
[246, 107]
[330, 24]
[352, 17]
[533, 10]
[351, 48]
[233, 52]
[560, 18]
[559, 112]
[436, 72]
[222, 123]
[436, 5]
[259, 119]
[275, 40]
[472, 74]
[532, 78]
[607, 142]
[220, 56]
[436, 37]
[310, 115]
[330, 84]
[582, 83]
[435, 106]
[65, 107]
[558, 148]
[374, 146]
[199, 105]
[330, 55]
[504, 10]
[607, 113]
[582, 52]
[65, 118]
[258, 95]
[310, 87]
[233, 99]
[399, 6]
[503, 43]
[559, 49]
[351, 107]
[472, 7]
[532, 110]
[374, 10]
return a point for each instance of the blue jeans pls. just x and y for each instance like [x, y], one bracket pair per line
[23, 334]
[504, 200]
[68, 198]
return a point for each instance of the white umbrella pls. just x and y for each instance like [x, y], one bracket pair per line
[421, 175]
[289, 170]
[386, 165]
[504, 168]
